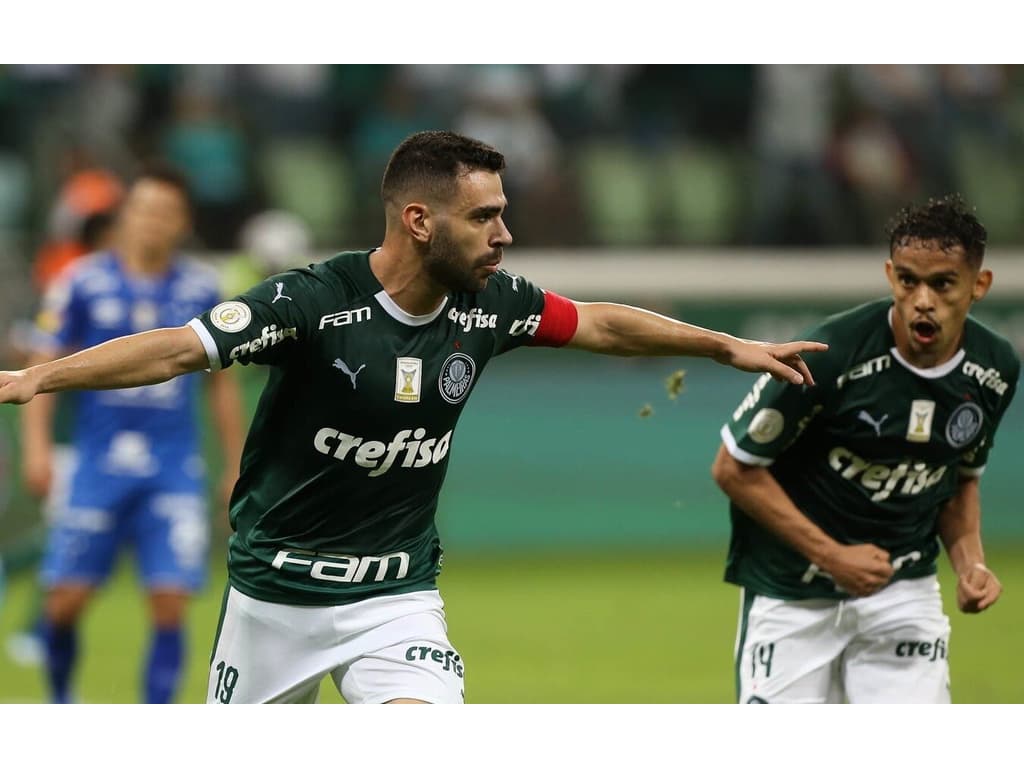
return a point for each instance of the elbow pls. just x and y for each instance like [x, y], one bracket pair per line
[723, 470]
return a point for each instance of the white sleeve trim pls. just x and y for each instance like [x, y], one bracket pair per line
[972, 471]
[208, 343]
[739, 454]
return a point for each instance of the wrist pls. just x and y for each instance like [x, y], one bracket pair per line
[824, 554]
[723, 348]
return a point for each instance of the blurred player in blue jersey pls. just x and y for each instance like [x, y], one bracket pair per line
[139, 479]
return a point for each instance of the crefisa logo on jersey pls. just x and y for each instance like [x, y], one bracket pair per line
[964, 424]
[231, 316]
[456, 377]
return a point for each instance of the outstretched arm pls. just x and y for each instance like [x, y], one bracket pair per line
[859, 569]
[226, 410]
[617, 329]
[130, 361]
[37, 439]
[960, 531]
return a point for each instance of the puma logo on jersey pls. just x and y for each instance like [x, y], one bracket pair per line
[865, 416]
[340, 365]
[280, 293]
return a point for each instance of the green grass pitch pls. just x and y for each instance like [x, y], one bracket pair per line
[552, 628]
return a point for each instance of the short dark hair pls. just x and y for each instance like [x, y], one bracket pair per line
[946, 221]
[430, 162]
[165, 173]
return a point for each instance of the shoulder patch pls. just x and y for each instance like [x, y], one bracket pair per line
[231, 316]
[766, 425]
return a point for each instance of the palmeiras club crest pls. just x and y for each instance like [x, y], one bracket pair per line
[964, 424]
[456, 377]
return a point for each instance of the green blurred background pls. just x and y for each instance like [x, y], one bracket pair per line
[584, 541]
[584, 545]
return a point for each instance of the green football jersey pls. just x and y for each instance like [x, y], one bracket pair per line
[872, 452]
[349, 444]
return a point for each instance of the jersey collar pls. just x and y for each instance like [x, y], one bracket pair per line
[936, 372]
[404, 317]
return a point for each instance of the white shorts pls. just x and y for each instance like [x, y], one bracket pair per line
[376, 650]
[890, 647]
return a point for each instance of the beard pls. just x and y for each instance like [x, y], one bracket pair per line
[446, 265]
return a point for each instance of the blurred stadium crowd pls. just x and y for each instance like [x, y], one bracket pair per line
[620, 155]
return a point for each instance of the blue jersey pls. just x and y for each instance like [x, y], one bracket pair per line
[142, 431]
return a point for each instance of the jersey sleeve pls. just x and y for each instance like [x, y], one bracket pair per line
[266, 324]
[531, 316]
[774, 414]
[62, 316]
[973, 462]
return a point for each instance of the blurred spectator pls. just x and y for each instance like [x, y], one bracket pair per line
[269, 242]
[909, 98]
[877, 169]
[402, 107]
[204, 140]
[795, 197]
[309, 138]
[502, 109]
[286, 99]
[90, 194]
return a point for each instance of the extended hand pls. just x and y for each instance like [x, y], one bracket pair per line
[977, 589]
[782, 361]
[859, 569]
[16, 387]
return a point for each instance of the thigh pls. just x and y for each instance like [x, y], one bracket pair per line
[171, 537]
[407, 657]
[269, 652]
[788, 652]
[65, 463]
[83, 542]
[900, 655]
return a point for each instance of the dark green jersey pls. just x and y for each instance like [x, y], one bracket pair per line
[872, 452]
[350, 440]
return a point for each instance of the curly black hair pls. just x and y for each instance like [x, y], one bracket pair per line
[947, 221]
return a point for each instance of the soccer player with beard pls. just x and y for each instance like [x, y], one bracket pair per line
[333, 562]
[840, 494]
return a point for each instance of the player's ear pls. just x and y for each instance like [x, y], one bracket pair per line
[981, 284]
[890, 273]
[417, 221]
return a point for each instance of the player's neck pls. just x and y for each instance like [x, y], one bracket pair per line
[404, 280]
[139, 262]
[924, 358]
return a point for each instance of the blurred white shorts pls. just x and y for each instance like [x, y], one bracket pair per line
[890, 647]
[376, 650]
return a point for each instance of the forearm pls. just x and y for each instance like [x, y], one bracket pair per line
[758, 494]
[226, 411]
[37, 418]
[130, 361]
[617, 329]
[959, 527]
